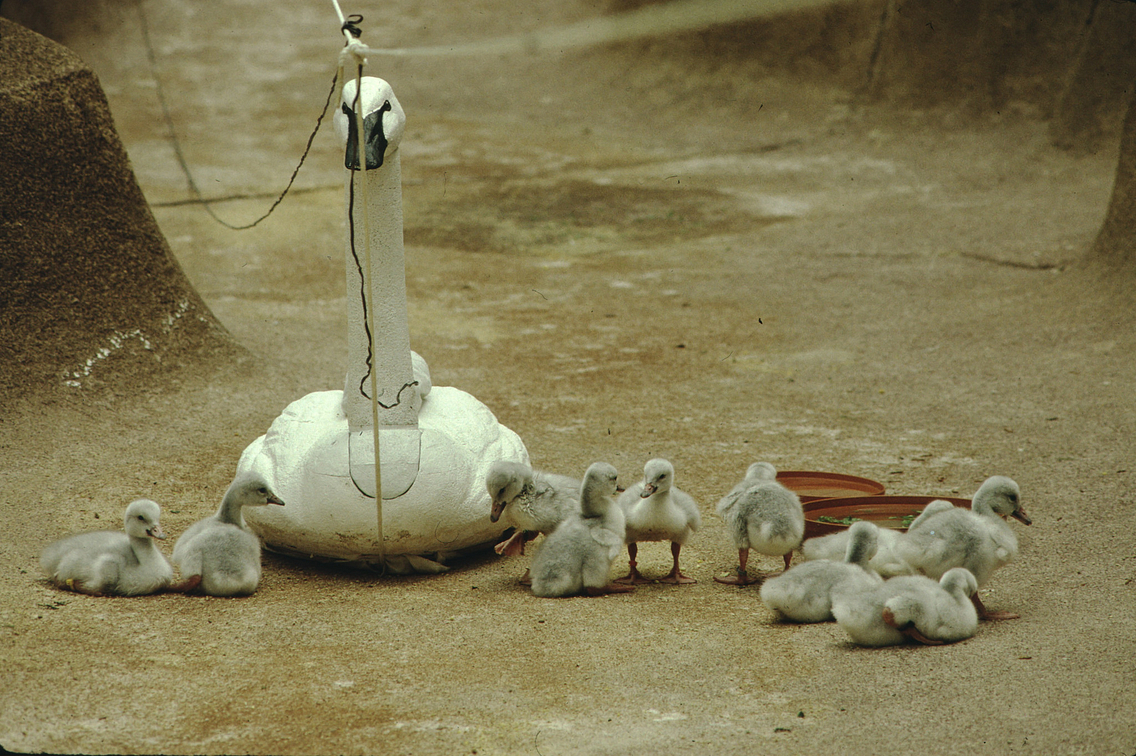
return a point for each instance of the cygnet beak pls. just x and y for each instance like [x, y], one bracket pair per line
[156, 532]
[648, 490]
[1020, 514]
[495, 513]
[274, 499]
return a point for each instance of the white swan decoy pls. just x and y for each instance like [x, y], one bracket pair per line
[112, 562]
[910, 606]
[887, 561]
[763, 515]
[577, 556]
[436, 443]
[978, 538]
[657, 511]
[219, 553]
[804, 593]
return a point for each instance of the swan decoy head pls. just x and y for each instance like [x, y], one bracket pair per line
[761, 471]
[658, 474]
[141, 520]
[1003, 497]
[505, 482]
[383, 122]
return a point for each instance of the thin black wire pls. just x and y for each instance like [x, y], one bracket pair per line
[152, 57]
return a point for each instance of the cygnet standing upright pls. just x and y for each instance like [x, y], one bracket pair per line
[763, 515]
[978, 538]
[112, 562]
[657, 511]
[577, 556]
[532, 501]
[219, 554]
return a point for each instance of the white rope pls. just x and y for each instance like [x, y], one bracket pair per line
[352, 50]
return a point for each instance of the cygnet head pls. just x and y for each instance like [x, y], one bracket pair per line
[761, 471]
[1002, 496]
[505, 482]
[599, 485]
[959, 579]
[863, 542]
[141, 519]
[251, 490]
[658, 475]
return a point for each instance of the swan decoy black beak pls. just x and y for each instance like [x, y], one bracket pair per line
[374, 140]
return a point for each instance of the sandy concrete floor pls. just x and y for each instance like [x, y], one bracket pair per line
[781, 274]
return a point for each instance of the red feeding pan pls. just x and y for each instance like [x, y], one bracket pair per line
[810, 486]
[826, 516]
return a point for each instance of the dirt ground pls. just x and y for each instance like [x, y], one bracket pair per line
[624, 255]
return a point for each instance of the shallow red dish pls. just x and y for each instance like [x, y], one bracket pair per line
[885, 511]
[811, 486]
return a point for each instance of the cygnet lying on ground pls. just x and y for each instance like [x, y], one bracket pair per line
[112, 562]
[577, 556]
[219, 554]
[657, 511]
[531, 501]
[978, 539]
[910, 606]
[804, 593]
[763, 515]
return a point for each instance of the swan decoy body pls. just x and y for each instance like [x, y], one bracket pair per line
[657, 511]
[910, 606]
[763, 515]
[219, 554]
[577, 556]
[978, 538]
[804, 593]
[530, 500]
[112, 562]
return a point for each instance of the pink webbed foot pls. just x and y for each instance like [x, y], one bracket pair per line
[514, 545]
[986, 614]
[610, 588]
[189, 585]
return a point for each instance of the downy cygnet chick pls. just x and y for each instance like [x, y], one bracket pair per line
[530, 500]
[219, 554]
[887, 561]
[763, 515]
[911, 606]
[978, 539]
[112, 562]
[577, 556]
[804, 593]
[657, 511]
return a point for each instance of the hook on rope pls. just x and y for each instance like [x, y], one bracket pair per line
[351, 25]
